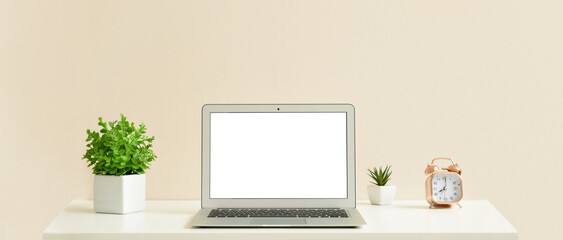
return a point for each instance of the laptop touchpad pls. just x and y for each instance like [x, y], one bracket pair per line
[278, 221]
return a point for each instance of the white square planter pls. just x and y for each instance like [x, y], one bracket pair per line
[381, 195]
[119, 194]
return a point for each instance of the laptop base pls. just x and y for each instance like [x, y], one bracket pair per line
[201, 220]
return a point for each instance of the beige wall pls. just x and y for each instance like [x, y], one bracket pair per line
[480, 81]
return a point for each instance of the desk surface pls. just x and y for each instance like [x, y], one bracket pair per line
[406, 219]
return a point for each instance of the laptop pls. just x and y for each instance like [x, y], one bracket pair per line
[278, 165]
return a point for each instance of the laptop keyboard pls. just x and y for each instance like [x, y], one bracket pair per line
[290, 212]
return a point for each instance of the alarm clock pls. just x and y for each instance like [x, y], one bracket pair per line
[444, 186]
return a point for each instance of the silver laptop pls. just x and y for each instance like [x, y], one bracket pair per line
[278, 165]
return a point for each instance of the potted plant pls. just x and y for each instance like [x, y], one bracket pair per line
[119, 155]
[378, 192]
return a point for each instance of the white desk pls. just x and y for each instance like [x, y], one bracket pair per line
[168, 220]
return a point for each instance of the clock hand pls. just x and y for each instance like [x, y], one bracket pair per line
[442, 189]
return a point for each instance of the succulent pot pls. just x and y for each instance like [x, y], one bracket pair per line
[381, 195]
[119, 194]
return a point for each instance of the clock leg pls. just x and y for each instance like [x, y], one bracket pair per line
[459, 205]
[431, 205]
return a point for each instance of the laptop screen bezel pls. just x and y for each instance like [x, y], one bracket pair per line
[207, 202]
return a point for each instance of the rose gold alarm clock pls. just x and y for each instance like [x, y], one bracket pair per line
[444, 186]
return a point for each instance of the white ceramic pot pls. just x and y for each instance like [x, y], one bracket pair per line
[381, 195]
[119, 194]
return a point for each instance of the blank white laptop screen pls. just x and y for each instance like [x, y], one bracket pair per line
[278, 155]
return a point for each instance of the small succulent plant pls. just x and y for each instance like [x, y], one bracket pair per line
[120, 149]
[380, 176]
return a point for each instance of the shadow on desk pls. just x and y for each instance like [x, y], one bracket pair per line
[417, 206]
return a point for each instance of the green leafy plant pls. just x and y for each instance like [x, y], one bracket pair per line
[380, 176]
[120, 149]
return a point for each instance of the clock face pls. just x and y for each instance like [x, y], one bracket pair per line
[446, 188]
